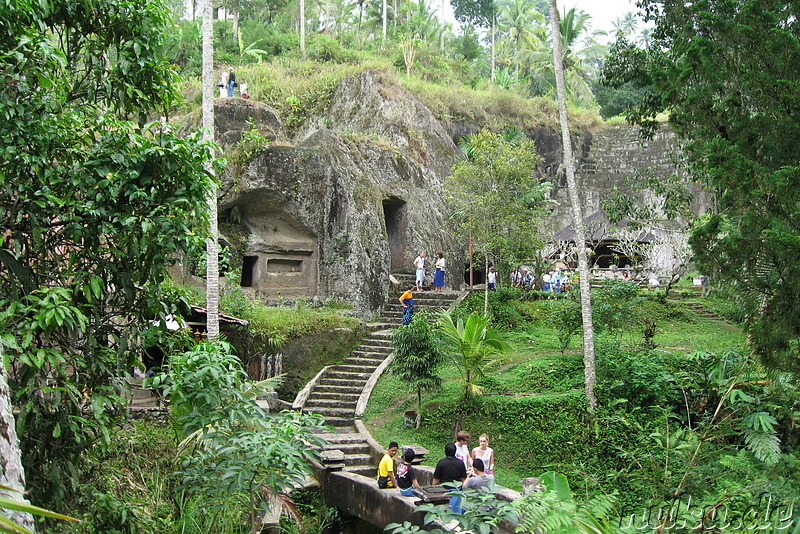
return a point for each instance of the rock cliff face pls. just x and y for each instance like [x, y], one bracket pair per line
[352, 201]
[359, 192]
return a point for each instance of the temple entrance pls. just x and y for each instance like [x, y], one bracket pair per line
[394, 215]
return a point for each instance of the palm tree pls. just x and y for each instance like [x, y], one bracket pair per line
[581, 58]
[476, 344]
[590, 377]
[519, 22]
[627, 24]
[212, 246]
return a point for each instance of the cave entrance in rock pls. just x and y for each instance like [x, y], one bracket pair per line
[394, 215]
[248, 270]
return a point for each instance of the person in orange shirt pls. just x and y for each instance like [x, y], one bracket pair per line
[407, 300]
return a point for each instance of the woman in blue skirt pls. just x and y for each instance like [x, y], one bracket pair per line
[438, 276]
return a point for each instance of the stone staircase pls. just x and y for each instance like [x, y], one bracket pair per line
[336, 391]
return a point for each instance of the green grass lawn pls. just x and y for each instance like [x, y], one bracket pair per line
[535, 373]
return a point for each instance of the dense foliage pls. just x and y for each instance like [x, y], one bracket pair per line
[234, 450]
[725, 71]
[677, 430]
[93, 208]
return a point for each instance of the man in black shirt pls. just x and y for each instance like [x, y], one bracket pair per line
[450, 468]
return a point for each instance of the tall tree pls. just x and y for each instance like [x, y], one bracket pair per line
[520, 22]
[212, 241]
[478, 13]
[728, 74]
[590, 377]
[495, 198]
[93, 209]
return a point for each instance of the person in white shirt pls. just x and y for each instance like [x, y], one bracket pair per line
[419, 264]
[492, 279]
[462, 449]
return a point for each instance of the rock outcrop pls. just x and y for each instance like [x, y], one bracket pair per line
[354, 200]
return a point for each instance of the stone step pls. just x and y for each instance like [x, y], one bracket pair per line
[335, 373]
[315, 404]
[338, 389]
[379, 351]
[342, 436]
[358, 459]
[334, 395]
[381, 335]
[370, 355]
[344, 381]
[332, 411]
[358, 369]
[352, 448]
[376, 342]
[363, 361]
[382, 325]
[338, 422]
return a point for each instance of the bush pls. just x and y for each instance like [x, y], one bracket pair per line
[503, 307]
[641, 379]
[325, 48]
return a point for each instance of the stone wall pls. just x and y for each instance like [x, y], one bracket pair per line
[606, 158]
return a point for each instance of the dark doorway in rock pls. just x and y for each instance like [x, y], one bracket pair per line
[248, 270]
[394, 214]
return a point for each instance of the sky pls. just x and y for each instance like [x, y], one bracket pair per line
[603, 12]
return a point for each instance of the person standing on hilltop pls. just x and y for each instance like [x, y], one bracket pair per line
[231, 83]
[222, 84]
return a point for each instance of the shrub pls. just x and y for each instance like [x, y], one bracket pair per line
[640, 378]
[325, 48]
[503, 307]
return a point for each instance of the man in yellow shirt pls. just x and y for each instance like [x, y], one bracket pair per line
[386, 468]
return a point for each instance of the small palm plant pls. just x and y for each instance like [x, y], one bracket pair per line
[476, 344]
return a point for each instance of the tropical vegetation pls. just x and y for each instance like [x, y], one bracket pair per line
[99, 199]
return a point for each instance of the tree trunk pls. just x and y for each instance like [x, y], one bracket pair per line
[235, 31]
[13, 474]
[385, 2]
[303, 27]
[212, 247]
[494, 19]
[577, 215]
[486, 289]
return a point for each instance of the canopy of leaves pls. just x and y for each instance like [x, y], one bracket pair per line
[496, 199]
[93, 208]
[726, 72]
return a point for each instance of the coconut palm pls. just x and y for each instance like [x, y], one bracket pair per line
[212, 246]
[519, 22]
[627, 24]
[577, 217]
[475, 345]
[581, 58]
